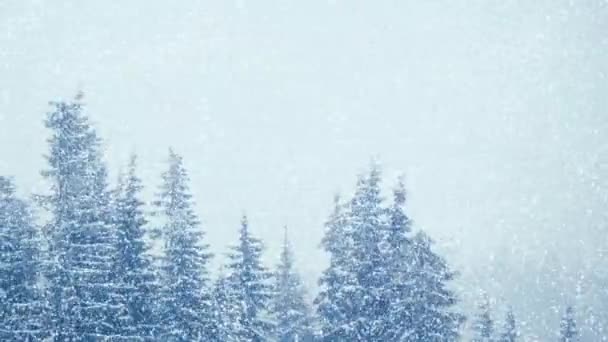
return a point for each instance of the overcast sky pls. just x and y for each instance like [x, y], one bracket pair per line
[495, 111]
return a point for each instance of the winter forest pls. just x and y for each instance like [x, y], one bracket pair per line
[88, 273]
[315, 171]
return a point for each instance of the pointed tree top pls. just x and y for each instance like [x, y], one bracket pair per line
[132, 160]
[568, 313]
[7, 188]
[399, 192]
[336, 199]
[244, 230]
[375, 169]
[568, 330]
[79, 95]
[372, 176]
[337, 205]
[286, 253]
[422, 239]
[374, 163]
[484, 301]
[174, 157]
[285, 236]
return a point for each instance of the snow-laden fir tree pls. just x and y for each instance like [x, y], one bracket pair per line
[434, 317]
[249, 289]
[380, 284]
[20, 301]
[483, 325]
[353, 302]
[85, 303]
[133, 268]
[421, 305]
[226, 309]
[289, 307]
[186, 303]
[368, 230]
[567, 327]
[510, 332]
[398, 254]
[338, 282]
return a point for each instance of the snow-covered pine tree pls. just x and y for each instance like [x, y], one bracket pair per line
[397, 250]
[334, 305]
[226, 309]
[568, 331]
[434, 318]
[133, 268]
[380, 284]
[249, 288]
[187, 306]
[355, 289]
[510, 333]
[20, 299]
[84, 302]
[483, 326]
[369, 228]
[289, 307]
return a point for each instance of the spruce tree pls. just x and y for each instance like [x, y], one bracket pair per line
[368, 228]
[249, 288]
[568, 331]
[133, 268]
[434, 318]
[398, 254]
[483, 326]
[187, 307]
[20, 301]
[84, 302]
[353, 301]
[510, 332]
[381, 284]
[422, 306]
[338, 282]
[289, 307]
[226, 309]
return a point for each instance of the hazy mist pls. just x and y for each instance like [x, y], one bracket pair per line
[496, 112]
